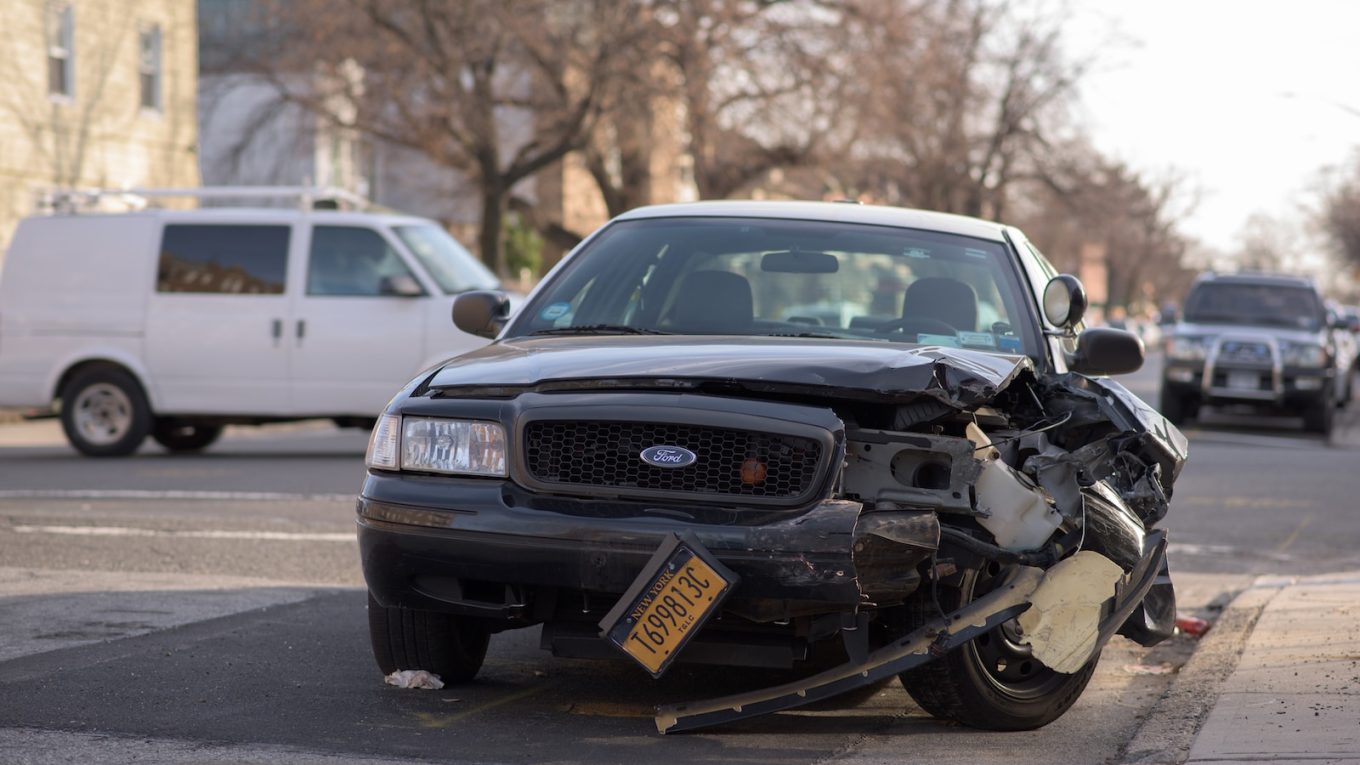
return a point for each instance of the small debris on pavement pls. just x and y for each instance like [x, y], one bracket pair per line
[1165, 668]
[1192, 625]
[414, 678]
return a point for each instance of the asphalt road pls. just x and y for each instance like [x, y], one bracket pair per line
[170, 608]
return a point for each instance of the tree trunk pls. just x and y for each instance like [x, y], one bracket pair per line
[489, 238]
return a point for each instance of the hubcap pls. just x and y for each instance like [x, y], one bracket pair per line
[102, 414]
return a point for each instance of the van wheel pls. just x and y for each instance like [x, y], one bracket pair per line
[992, 682]
[446, 645]
[104, 412]
[183, 437]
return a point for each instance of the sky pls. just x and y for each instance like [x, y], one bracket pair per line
[1247, 101]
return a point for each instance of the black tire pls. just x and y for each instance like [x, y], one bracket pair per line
[104, 412]
[1175, 407]
[1320, 415]
[970, 685]
[446, 645]
[184, 437]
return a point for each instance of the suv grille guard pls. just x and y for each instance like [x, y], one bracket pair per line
[1276, 370]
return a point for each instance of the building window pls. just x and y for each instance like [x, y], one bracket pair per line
[61, 50]
[149, 66]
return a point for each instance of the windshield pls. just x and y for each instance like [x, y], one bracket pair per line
[1254, 304]
[730, 276]
[452, 266]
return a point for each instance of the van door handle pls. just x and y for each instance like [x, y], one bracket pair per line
[301, 330]
[277, 331]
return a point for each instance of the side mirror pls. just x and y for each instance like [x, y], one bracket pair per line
[1064, 301]
[481, 313]
[1106, 351]
[401, 285]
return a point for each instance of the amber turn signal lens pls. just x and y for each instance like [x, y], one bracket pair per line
[753, 471]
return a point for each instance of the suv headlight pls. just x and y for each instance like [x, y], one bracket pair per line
[1304, 355]
[1185, 348]
[437, 445]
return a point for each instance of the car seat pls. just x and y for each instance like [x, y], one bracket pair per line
[941, 299]
[712, 301]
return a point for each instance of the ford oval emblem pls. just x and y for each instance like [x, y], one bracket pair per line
[668, 456]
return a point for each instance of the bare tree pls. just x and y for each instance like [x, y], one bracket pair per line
[494, 90]
[1339, 217]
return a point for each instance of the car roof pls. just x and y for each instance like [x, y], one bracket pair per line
[831, 212]
[251, 214]
[1257, 277]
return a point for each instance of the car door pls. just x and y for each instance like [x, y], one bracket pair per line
[359, 332]
[216, 319]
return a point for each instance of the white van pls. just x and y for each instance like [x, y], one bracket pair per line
[176, 323]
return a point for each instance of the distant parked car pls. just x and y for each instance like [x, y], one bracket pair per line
[176, 323]
[1258, 340]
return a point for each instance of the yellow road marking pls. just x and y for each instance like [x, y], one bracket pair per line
[431, 720]
[1289, 540]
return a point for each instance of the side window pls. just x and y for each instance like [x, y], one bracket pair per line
[225, 260]
[352, 261]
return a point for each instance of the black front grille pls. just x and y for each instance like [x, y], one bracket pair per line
[730, 463]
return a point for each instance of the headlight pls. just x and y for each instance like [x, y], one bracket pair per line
[436, 445]
[1304, 355]
[452, 446]
[1185, 348]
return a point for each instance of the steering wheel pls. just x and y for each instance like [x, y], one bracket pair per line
[918, 324]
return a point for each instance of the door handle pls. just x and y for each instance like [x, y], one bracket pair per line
[301, 330]
[277, 331]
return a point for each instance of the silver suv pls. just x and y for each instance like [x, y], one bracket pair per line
[1262, 341]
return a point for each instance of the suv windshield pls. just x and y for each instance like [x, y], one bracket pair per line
[731, 276]
[452, 266]
[1255, 304]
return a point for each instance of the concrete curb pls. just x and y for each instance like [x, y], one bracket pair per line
[1168, 733]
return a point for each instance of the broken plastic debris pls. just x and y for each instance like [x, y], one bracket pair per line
[1192, 625]
[414, 678]
[1063, 624]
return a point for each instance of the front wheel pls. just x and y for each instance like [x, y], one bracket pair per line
[449, 646]
[993, 681]
[1319, 416]
[1176, 407]
[104, 412]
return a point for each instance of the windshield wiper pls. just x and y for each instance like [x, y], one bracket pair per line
[825, 335]
[600, 329]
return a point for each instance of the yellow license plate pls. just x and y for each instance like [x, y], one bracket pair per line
[668, 604]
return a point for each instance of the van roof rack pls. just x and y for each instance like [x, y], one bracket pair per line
[75, 200]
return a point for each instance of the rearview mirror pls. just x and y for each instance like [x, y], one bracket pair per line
[1064, 301]
[482, 313]
[1106, 351]
[799, 262]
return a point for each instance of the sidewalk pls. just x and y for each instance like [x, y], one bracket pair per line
[1294, 696]
[1276, 680]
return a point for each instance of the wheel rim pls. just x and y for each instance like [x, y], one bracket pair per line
[102, 414]
[1003, 661]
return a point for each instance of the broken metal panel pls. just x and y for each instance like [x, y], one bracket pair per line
[889, 548]
[910, 469]
[934, 638]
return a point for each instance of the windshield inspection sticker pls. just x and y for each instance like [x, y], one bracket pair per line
[554, 311]
[948, 341]
[977, 340]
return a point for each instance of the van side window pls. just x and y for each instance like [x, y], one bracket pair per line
[347, 260]
[228, 260]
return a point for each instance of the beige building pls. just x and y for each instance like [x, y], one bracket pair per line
[95, 93]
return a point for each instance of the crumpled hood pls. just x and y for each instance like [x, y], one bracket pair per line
[850, 369]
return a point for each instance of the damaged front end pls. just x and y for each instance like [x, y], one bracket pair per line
[1048, 492]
